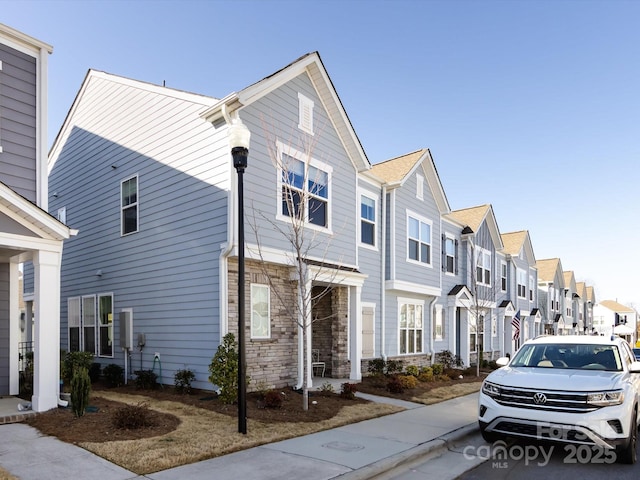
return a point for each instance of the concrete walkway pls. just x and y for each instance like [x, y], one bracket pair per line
[356, 451]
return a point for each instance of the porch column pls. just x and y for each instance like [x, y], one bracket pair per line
[46, 356]
[355, 332]
[14, 329]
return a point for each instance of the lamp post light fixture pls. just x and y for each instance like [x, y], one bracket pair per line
[239, 136]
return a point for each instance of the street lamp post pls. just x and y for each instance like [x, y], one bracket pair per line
[239, 136]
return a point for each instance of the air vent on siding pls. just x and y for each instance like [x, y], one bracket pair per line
[305, 114]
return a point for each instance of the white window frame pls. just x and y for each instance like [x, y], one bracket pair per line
[521, 284]
[374, 223]
[438, 323]
[105, 324]
[74, 315]
[255, 287]
[421, 221]
[447, 239]
[532, 289]
[484, 265]
[135, 205]
[419, 187]
[504, 279]
[308, 162]
[83, 323]
[473, 332]
[305, 113]
[418, 346]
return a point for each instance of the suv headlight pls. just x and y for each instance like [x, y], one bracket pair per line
[490, 389]
[604, 399]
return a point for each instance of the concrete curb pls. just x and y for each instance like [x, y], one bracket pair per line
[389, 463]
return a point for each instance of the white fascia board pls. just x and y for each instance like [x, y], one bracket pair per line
[404, 286]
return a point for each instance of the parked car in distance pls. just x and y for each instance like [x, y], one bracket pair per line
[581, 390]
[636, 352]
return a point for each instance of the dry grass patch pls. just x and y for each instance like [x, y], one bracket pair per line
[440, 394]
[4, 475]
[204, 434]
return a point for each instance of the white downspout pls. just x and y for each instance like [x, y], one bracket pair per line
[383, 251]
[432, 353]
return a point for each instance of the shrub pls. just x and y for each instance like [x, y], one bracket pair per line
[449, 360]
[80, 390]
[132, 417]
[394, 385]
[437, 369]
[113, 375]
[379, 366]
[273, 399]
[326, 387]
[426, 376]
[224, 369]
[412, 370]
[408, 381]
[94, 372]
[348, 390]
[182, 380]
[146, 380]
[74, 360]
[394, 366]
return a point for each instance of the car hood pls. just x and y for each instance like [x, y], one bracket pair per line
[557, 379]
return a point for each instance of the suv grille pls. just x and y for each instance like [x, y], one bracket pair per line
[550, 400]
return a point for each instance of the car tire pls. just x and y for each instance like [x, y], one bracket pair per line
[628, 453]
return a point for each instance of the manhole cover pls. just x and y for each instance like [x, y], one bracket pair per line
[344, 446]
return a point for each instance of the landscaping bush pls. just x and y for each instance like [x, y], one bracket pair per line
[80, 390]
[273, 399]
[224, 369]
[449, 360]
[394, 385]
[146, 380]
[73, 361]
[412, 370]
[94, 372]
[113, 375]
[379, 366]
[182, 380]
[348, 390]
[408, 381]
[437, 369]
[426, 375]
[132, 417]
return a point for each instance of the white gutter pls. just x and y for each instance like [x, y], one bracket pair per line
[432, 353]
[383, 250]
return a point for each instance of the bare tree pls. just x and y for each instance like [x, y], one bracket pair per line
[304, 203]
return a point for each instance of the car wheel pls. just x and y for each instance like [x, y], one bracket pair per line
[627, 454]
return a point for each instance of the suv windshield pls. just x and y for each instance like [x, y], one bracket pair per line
[574, 356]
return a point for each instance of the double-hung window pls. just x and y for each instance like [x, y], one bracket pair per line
[450, 255]
[81, 324]
[419, 239]
[411, 327]
[305, 188]
[368, 220]
[503, 276]
[522, 284]
[129, 205]
[105, 322]
[260, 311]
[483, 267]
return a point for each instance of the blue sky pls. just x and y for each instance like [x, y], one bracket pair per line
[532, 106]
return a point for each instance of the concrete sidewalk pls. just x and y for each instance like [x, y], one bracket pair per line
[356, 451]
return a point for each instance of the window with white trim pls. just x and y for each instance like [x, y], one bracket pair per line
[532, 285]
[450, 247]
[411, 327]
[473, 334]
[368, 207]
[305, 113]
[260, 311]
[81, 324]
[105, 322]
[483, 267]
[419, 187]
[419, 239]
[438, 323]
[503, 276]
[129, 205]
[522, 284]
[305, 188]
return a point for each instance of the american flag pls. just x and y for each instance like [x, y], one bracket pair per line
[515, 323]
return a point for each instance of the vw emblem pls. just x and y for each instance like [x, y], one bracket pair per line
[539, 398]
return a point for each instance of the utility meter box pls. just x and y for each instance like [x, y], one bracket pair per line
[126, 329]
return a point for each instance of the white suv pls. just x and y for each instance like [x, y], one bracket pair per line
[573, 389]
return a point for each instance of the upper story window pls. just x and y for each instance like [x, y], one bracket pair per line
[419, 187]
[129, 205]
[532, 287]
[503, 276]
[368, 220]
[522, 284]
[450, 255]
[419, 239]
[305, 185]
[305, 114]
[483, 267]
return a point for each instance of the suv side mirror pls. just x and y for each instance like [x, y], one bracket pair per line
[502, 361]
